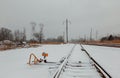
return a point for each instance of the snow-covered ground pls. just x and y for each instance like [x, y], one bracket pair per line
[107, 57]
[79, 66]
[13, 63]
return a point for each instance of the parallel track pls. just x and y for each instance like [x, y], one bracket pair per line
[79, 64]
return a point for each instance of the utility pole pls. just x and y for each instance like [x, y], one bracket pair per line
[96, 34]
[63, 37]
[85, 38]
[67, 22]
[67, 30]
[91, 34]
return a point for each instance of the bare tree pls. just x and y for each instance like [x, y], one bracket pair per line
[41, 32]
[6, 34]
[39, 35]
[20, 36]
[17, 35]
[24, 34]
[33, 24]
[60, 39]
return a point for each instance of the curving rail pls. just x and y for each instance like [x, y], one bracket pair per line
[58, 71]
[97, 65]
[85, 67]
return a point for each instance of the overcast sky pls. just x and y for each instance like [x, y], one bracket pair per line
[100, 15]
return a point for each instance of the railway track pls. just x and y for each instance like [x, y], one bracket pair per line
[79, 64]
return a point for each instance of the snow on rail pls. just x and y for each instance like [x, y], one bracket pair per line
[100, 69]
[77, 65]
[57, 73]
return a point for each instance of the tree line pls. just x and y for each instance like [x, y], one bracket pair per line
[110, 38]
[17, 35]
[20, 36]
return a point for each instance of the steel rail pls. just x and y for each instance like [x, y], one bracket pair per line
[97, 65]
[60, 68]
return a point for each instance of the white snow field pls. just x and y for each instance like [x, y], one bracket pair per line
[107, 57]
[13, 63]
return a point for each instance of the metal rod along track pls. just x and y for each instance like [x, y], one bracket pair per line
[99, 69]
[58, 71]
[97, 65]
